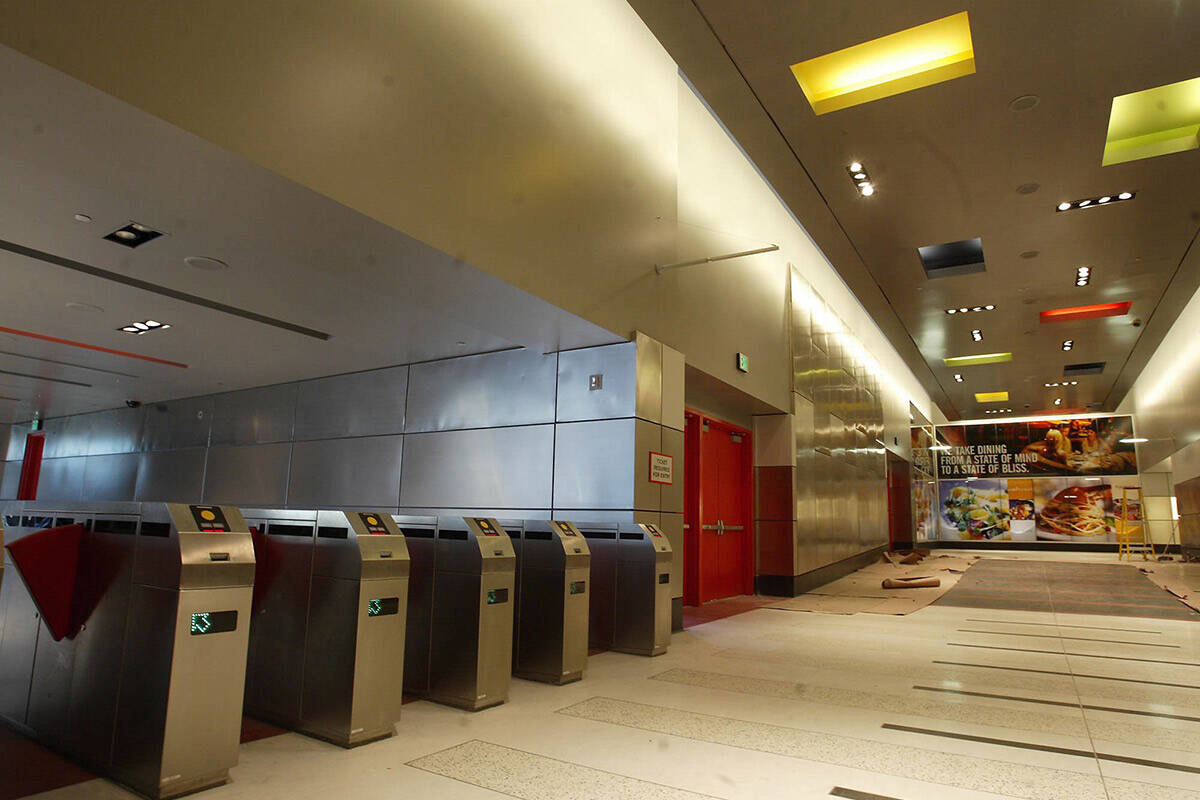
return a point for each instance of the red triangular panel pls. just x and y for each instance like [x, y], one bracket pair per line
[48, 562]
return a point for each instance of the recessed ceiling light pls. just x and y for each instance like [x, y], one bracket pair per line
[146, 326]
[152, 324]
[860, 176]
[130, 329]
[135, 234]
[1153, 122]
[205, 263]
[970, 361]
[899, 62]
[866, 189]
[1068, 344]
[965, 309]
[1134, 440]
[977, 335]
[1058, 401]
[1095, 202]
[958, 378]
[82, 218]
[856, 166]
[141, 326]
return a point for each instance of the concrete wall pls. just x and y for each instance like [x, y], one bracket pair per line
[511, 434]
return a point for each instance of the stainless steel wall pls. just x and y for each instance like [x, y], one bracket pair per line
[843, 414]
[509, 434]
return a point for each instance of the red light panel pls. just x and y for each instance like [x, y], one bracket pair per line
[1086, 312]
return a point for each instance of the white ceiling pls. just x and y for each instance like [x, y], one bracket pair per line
[295, 255]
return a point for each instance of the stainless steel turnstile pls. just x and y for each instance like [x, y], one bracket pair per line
[550, 624]
[327, 637]
[146, 687]
[631, 588]
[459, 642]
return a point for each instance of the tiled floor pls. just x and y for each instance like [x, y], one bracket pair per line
[950, 702]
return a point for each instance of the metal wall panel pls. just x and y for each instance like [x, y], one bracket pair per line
[672, 495]
[65, 436]
[117, 430]
[10, 481]
[362, 472]
[111, 477]
[647, 496]
[592, 465]
[254, 416]
[649, 377]
[253, 475]
[498, 467]
[359, 404]
[171, 476]
[672, 388]
[617, 397]
[61, 478]
[177, 424]
[492, 390]
[5, 433]
[16, 441]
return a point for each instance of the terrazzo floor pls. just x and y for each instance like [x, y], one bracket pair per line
[954, 702]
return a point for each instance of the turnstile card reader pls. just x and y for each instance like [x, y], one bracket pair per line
[179, 712]
[630, 608]
[459, 643]
[550, 627]
[327, 641]
[146, 684]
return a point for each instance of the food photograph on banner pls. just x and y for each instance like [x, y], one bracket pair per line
[1051, 480]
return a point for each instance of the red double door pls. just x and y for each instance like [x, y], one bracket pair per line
[719, 545]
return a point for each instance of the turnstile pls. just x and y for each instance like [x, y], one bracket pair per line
[141, 676]
[327, 635]
[459, 641]
[550, 622]
[630, 608]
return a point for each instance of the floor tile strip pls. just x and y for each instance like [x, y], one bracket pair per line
[1055, 625]
[1044, 748]
[1183, 717]
[855, 794]
[1069, 674]
[1000, 777]
[1079, 655]
[530, 776]
[1071, 638]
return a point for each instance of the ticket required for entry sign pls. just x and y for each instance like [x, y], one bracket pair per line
[662, 468]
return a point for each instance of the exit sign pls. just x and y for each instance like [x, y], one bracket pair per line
[743, 362]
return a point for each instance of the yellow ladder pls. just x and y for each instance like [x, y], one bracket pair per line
[1133, 538]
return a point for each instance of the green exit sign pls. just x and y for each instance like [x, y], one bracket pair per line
[743, 362]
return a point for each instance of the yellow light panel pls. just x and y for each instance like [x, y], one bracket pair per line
[991, 397]
[970, 361]
[899, 62]
[1153, 122]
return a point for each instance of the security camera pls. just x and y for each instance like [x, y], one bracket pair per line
[134, 403]
[1137, 323]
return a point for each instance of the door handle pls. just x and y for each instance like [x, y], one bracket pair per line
[733, 528]
[720, 527]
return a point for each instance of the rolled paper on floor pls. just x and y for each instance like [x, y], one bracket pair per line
[911, 583]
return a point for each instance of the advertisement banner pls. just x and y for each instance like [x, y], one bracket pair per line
[1067, 447]
[1056, 509]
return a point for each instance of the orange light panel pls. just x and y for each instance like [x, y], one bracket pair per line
[97, 348]
[1086, 312]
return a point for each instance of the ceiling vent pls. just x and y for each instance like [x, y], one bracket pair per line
[952, 258]
[135, 234]
[1089, 368]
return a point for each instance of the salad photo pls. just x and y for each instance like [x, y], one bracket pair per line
[977, 510]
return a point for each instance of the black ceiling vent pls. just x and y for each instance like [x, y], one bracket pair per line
[1089, 368]
[952, 258]
[135, 234]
